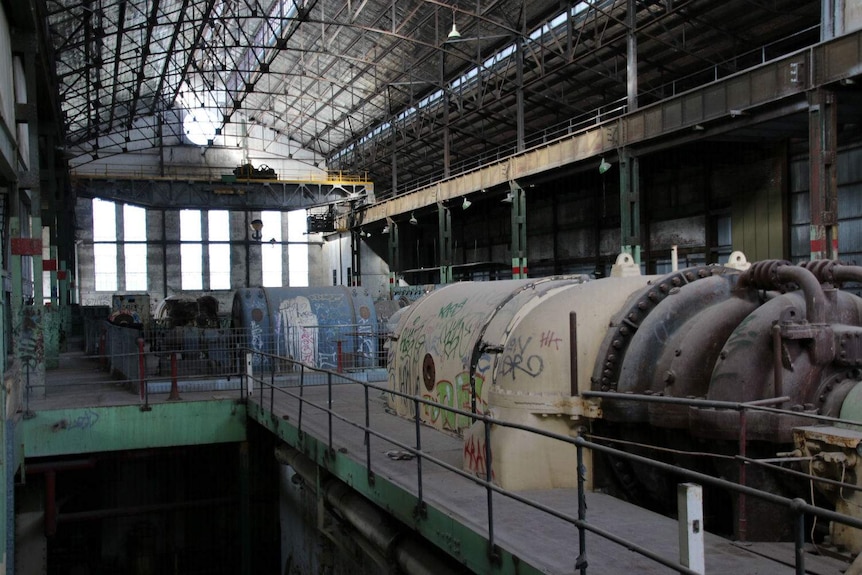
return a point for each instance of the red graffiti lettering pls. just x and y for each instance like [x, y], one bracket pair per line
[474, 457]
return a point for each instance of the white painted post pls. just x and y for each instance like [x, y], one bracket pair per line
[249, 376]
[689, 497]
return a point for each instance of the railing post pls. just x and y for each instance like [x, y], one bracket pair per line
[742, 522]
[272, 390]
[799, 546]
[102, 359]
[368, 437]
[689, 499]
[262, 373]
[175, 390]
[581, 561]
[492, 548]
[142, 379]
[329, 407]
[339, 357]
[249, 375]
[301, 401]
[420, 510]
[27, 413]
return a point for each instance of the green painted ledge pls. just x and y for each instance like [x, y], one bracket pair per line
[458, 540]
[95, 429]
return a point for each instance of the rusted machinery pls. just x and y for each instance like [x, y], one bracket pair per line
[527, 351]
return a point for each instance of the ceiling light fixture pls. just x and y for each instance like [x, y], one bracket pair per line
[604, 166]
[413, 219]
[386, 229]
[466, 203]
[508, 199]
[453, 33]
[256, 226]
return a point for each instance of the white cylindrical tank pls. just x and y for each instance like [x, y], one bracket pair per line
[519, 351]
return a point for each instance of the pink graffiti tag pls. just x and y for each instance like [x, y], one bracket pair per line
[549, 339]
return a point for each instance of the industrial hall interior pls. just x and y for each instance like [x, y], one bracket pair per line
[430, 287]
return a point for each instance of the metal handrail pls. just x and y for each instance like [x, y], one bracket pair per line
[798, 506]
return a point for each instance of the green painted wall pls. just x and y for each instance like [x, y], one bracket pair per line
[96, 429]
[759, 207]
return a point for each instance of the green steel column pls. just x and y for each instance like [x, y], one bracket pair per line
[444, 224]
[823, 186]
[519, 231]
[630, 219]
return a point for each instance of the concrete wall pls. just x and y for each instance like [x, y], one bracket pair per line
[163, 264]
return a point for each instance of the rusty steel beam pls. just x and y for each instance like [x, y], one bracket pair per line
[823, 179]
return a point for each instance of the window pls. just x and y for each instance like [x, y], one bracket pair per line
[270, 250]
[297, 254]
[105, 245]
[191, 250]
[135, 247]
[219, 248]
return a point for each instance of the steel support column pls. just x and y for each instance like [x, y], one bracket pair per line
[823, 186]
[394, 159]
[630, 220]
[394, 255]
[519, 94]
[446, 151]
[519, 231]
[444, 225]
[631, 57]
[355, 265]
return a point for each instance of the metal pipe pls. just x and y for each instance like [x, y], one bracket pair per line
[705, 403]
[777, 367]
[847, 273]
[573, 353]
[815, 299]
[45, 467]
[99, 514]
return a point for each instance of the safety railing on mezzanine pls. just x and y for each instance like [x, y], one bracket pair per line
[266, 391]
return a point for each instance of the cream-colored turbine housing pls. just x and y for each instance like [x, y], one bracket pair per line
[512, 342]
